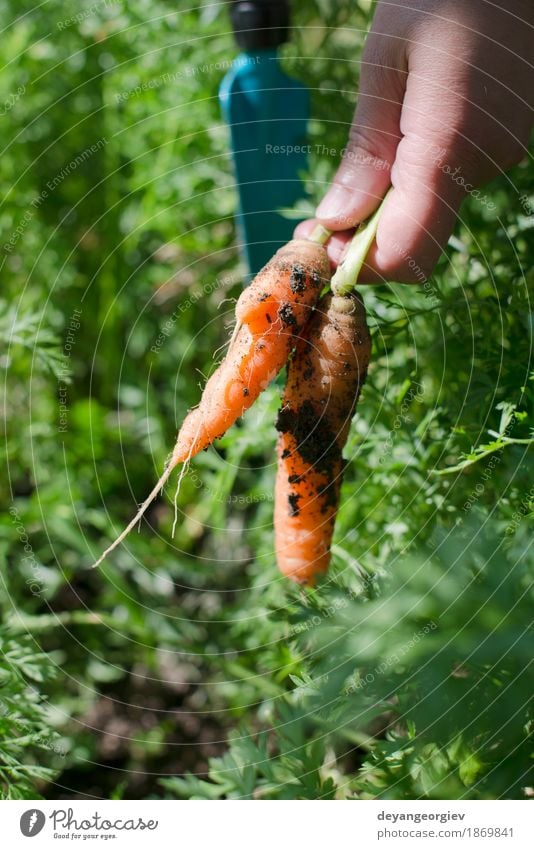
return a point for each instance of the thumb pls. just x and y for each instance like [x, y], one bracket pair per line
[364, 174]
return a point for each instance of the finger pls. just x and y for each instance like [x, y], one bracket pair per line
[417, 218]
[364, 174]
[435, 168]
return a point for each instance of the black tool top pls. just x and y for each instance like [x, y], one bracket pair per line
[260, 24]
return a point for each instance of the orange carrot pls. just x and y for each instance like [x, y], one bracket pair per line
[324, 380]
[270, 314]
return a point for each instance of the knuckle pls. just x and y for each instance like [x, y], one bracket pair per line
[363, 151]
[455, 151]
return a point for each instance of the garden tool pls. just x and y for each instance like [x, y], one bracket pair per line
[267, 113]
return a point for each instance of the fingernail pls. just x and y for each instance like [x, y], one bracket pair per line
[335, 203]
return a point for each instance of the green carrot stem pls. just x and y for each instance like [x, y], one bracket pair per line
[319, 234]
[346, 277]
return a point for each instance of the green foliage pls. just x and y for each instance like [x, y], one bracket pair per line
[118, 282]
[25, 731]
[428, 686]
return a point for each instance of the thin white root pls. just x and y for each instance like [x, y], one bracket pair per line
[183, 472]
[146, 503]
[228, 345]
[237, 328]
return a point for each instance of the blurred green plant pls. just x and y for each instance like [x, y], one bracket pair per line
[427, 687]
[25, 731]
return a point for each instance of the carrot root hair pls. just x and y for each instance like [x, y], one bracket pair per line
[139, 515]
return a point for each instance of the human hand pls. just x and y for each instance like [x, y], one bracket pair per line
[446, 103]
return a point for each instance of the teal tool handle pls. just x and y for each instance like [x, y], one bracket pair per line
[267, 113]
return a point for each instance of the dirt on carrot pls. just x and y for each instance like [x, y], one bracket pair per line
[325, 376]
